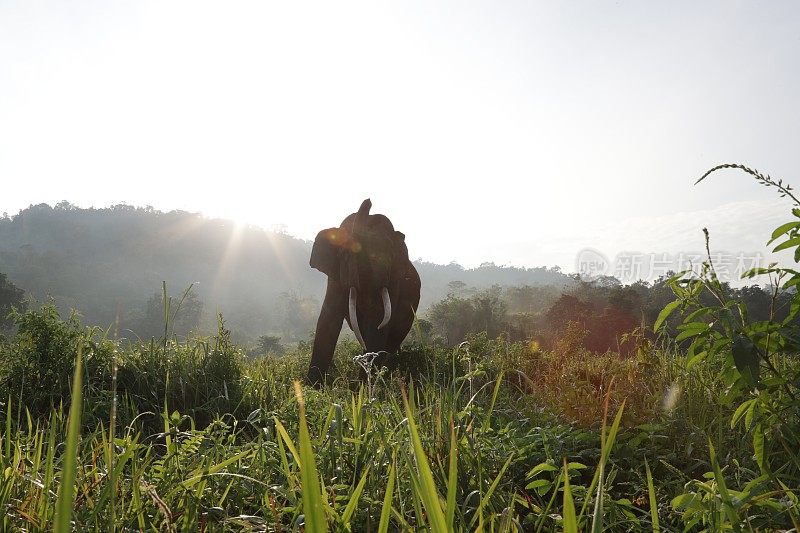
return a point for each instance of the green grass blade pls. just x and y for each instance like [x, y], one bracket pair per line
[386, 509]
[352, 504]
[599, 504]
[112, 434]
[7, 440]
[201, 473]
[312, 492]
[651, 490]
[488, 418]
[727, 502]
[568, 513]
[325, 434]
[546, 511]
[288, 440]
[428, 492]
[486, 497]
[608, 444]
[598, 480]
[66, 490]
[452, 478]
[287, 471]
[416, 494]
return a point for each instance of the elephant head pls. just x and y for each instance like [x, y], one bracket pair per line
[371, 284]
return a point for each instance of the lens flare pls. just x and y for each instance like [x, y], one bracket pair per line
[671, 397]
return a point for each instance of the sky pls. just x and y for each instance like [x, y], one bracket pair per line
[518, 133]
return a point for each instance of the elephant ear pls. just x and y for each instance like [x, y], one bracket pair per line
[400, 248]
[325, 253]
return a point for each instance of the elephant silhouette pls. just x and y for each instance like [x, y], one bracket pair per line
[372, 285]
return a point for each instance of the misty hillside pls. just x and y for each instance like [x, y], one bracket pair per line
[109, 265]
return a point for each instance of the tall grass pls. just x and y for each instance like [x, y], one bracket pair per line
[66, 488]
[225, 443]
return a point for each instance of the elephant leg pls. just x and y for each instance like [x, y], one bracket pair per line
[329, 325]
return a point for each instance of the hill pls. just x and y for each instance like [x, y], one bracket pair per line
[109, 265]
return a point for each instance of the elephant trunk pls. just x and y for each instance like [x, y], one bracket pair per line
[354, 318]
[387, 307]
[360, 220]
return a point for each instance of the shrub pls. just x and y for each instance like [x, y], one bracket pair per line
[38, 362]
[201, 377]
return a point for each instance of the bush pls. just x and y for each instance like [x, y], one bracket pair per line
[201, 377]
[38, 362]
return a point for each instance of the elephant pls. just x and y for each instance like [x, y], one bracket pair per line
[372, 285]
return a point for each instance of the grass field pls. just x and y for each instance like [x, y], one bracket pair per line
[490, 435]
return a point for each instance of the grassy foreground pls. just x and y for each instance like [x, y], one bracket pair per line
[203, 439]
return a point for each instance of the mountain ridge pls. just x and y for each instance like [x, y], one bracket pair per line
[108, 262]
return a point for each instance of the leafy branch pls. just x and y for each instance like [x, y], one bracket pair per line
[767, 181]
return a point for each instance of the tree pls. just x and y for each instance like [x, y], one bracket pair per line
[451, 318]
[489, 312]
[11, 297]
[184, 316]
[568, 309]
[456, 287]
[454, 318]
[296, 315]
[269, 344]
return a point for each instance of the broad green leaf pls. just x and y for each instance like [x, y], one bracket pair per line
[690, 333]
[740, 411]
[695, 358]
[783, 228]
[540, 485]
[758, 271]
[745, 357]
[794, 280]
[791, 243]
[542, 467]
[698, 313]
[750, 413]
[758, 446]
[662, 316]
[682, 501]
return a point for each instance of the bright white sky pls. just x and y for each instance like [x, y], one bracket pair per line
[513, 132]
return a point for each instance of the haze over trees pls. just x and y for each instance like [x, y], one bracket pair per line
[109, 265]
